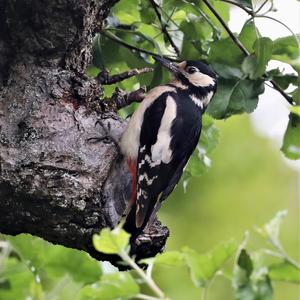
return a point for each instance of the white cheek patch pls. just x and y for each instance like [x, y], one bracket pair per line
[200, 79]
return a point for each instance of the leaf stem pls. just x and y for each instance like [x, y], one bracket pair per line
[149, 281]
[204, 293]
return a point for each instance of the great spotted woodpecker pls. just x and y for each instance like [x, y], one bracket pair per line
[162, 135]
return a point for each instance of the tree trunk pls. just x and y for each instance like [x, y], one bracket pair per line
[61, 174]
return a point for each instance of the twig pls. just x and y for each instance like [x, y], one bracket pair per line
[131, 47]
[244, 50]
[288, 98]
[164, 27]
[122, 99]
[104, 78]
[261, 6]
[247, 10]
[231, 34]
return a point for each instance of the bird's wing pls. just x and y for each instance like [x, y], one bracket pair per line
[166, 143]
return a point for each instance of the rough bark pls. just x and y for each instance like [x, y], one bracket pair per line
[61, 174]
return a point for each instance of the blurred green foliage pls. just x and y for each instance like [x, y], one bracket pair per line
[247, 182]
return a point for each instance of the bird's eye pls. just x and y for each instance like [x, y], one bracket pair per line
[191, 70]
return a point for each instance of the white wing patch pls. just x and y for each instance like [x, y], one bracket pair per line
[130, 140]
[161, 151]
[148, 180]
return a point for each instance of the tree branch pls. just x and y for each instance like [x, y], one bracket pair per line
[104, 78]
[131, 47]
[244, 50]
[122, 99]
[164, 27]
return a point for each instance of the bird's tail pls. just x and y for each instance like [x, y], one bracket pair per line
[130, 223]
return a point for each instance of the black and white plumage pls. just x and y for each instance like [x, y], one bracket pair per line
[162, 135]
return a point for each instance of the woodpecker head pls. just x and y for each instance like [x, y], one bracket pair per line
[193, 75]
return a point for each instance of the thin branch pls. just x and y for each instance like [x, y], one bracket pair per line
[122, 99]
[231, 34]
[149, 281]
[288, 98]
[131, 47]
[164, 27]
[261, 6]
[104, 78]
[247, 10]
[244, 50]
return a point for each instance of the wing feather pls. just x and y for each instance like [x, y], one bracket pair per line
[163, 152]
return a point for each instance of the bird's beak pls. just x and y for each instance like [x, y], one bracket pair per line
[168, 64]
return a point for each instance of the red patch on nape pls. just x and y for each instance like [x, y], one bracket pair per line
[132, 168]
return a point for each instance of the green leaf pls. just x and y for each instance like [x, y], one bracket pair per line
[113, 286]
[291, 140]
[127, 12]
[203, 267]
[248, 35]
[40, 257]
[255, 65]
[147, 12]
[286, 49]
[171, 258]
[263, 51]
[225, 52]
[210, 134]
[284, 80]
[250, 284]
[245, 263]
[235, 97]
[284, 271]
[15, 280]
[195, 28]
[111, 241]
[227, 72]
